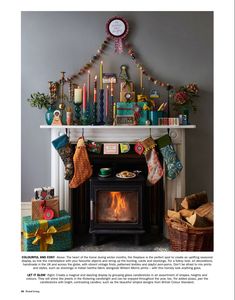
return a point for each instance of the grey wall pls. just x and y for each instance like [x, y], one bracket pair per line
[176, 47]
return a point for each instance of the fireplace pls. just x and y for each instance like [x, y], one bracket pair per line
[117, 206]
[160, 196]
[105, 207]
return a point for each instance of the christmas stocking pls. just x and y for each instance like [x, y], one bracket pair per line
[155, 170]
[63, 147]
[82, 166]
[173, 164]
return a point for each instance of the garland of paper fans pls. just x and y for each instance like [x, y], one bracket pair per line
[118, 38]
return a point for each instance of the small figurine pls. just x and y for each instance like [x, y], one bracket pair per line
[154, 94]
[57, 118]
[123, 74]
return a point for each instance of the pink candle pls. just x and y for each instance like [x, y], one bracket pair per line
[107, 101]
[95, 89]
[88, 84]
[84, 97]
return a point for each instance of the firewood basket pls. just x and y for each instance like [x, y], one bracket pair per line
[184, 237]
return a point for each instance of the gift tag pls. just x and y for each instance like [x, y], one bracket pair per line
[48, 213]
[139, 149]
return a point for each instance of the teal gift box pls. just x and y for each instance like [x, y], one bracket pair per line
[125, 108]
[51, 235]
[143, 114]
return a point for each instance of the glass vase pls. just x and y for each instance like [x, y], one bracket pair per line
[49, 115]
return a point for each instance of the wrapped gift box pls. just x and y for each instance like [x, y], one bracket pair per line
[37, 212]
[125, 108]
[43, 193]
[52, 235]
[143, 114]
[127, 87]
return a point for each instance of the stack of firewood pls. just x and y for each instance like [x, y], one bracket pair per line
[194, 209]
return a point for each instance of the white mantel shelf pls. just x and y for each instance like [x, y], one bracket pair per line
[118, 127]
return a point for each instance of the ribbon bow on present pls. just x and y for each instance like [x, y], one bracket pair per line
[44, 235]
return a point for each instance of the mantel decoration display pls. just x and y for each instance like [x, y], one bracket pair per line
[94, 99]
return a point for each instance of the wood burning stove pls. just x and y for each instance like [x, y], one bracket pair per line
[117, 206]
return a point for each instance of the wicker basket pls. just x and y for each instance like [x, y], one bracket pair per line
[184, 237]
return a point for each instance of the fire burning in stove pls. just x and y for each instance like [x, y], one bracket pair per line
[117, 206]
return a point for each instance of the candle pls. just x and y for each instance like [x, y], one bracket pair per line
[107, 102]
[84, 98]
[141, 78]
[88, 84]
[101, 75]
[111, 89]
[78, 95]
[95, 89]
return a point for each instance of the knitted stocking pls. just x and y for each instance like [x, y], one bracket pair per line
[155, 171]
[173, 164]
[82, 167]
[65, 151]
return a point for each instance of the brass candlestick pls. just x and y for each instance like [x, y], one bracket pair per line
[62, 81]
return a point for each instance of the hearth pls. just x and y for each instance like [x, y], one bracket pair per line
[117, 206]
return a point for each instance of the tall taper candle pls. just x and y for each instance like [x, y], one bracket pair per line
[111, 101]
[84, 98]
[101, 75]
[141, 78]
[111, 88]
[107, 103]
[88, 84]
[95, 89]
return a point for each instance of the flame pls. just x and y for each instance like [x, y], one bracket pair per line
[118, 204]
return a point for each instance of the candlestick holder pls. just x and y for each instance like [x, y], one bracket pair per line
[94, 121]
[86, 115]
[109, 117]
[78, 112]
[101, 98]
[85, 118]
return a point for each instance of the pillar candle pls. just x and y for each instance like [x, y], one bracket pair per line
[107, 102]
[101, 75]
[95, 89]
[84, 98]
[78, 95]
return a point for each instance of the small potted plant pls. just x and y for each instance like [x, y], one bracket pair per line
[183, 99]
[41, 100]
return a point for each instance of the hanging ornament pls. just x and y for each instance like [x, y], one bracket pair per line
[139, 149]
[117, 29]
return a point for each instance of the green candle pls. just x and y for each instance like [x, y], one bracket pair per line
[101, 75]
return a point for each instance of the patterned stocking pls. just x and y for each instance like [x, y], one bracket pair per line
[82, 167]
[155, 171]
[65, 151]
[173, 164]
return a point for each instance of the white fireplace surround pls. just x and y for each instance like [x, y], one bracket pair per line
[173, 188]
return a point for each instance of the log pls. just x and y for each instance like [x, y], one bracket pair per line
[177, 204]
[186, 212]
[197, 221]
[173, 214]
[195, 200]
[206, 210]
